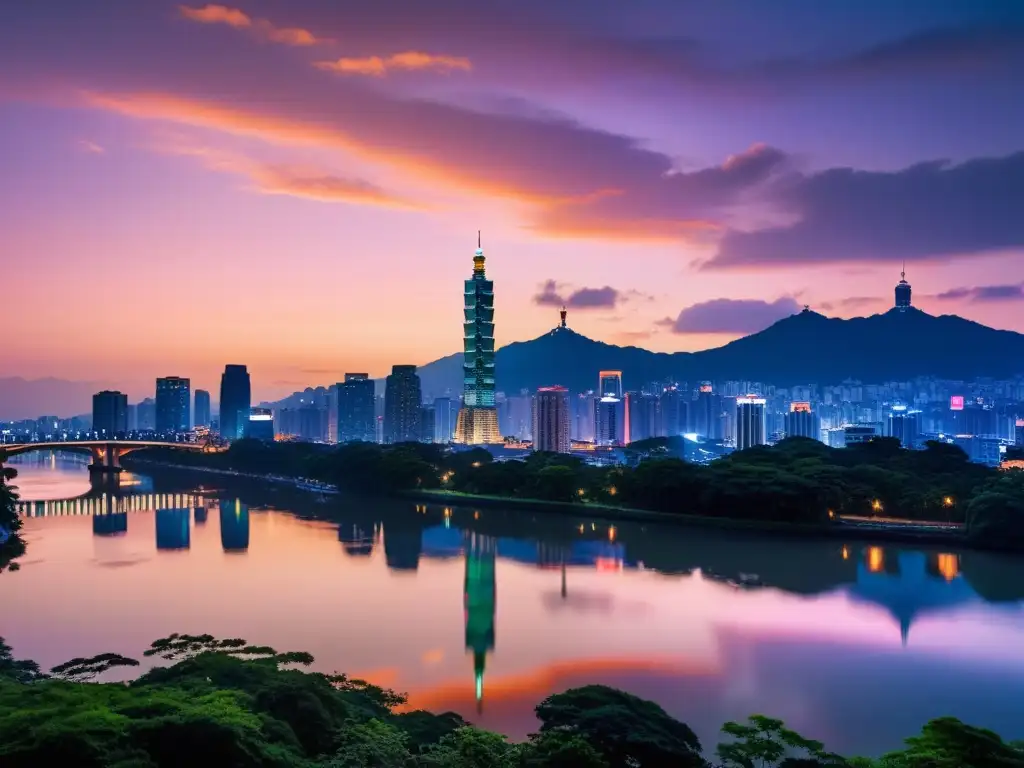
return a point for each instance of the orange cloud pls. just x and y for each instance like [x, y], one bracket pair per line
[309, 184]
[233, 17]
[376, 66]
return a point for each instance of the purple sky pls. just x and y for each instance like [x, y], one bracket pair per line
[297, 186]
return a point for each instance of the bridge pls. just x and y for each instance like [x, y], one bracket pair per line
[106, 454]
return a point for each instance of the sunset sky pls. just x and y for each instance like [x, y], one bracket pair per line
[297, 185]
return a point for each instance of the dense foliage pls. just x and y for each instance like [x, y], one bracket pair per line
[229, 703]
[798, 480]
[11, 544]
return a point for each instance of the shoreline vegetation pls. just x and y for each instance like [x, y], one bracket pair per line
[798, 486]
[230, 703]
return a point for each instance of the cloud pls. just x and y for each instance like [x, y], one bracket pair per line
[581, 298]
[408, 61]
[233, 17]
[933, 210]
[91, 147]
[731, 315]
[302, 182]
[984, 294]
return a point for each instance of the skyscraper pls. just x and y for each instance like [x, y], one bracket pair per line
[260, 425]
[356, 416]
[201, 410]
[905, 426]
[707, 412]
[145, 415]
[109, 413]
[903, 292]
[551, 420]
[674, 413]
[402, 401]
[610, 424]
[645, 416]
[478, 419]
[750, 427]
[445, 418]
[610, 384]
[235, 401]
[173, 404]
[802, 422]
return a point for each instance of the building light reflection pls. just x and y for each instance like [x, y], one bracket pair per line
[948, 565]
[876, 559]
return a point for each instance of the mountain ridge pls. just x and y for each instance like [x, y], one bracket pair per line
[804, 348]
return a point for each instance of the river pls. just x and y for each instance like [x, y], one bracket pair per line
[485, 612]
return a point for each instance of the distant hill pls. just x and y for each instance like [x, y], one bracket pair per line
[803, 348]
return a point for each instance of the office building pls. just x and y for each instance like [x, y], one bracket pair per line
[260, 425]
[312, 423]
[235, 401]
[903, 292]
[201, 409]
[609, 428]
[427, 425]
[645, 416]
[609, 384]
[109, 413]
[145, 415]
[905, 426]
[750, 422]
[855, 434]
[675, 417]
[707, 413]
[356, 409]
[551, 420]
[173, 404]
[477, 422]
[1018, 432]
[801, 421]
[402, 401]
[584, 410]
[446, 414]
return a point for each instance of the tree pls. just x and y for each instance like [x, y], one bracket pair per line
[560, 749]
[556, 483]
[472, 748]
[11, 544]
[764, 742]
[15, 669]
[373, 744]
[178, 647]
[79, 670]
[995, 516]
[948, 743]
[624, 729]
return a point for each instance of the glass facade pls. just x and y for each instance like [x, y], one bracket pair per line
[235, 401]
[478, 419]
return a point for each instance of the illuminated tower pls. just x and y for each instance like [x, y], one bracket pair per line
[479, 596]
[478, 420]
[903, 291]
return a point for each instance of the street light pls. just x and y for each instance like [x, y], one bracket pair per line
[876, 505]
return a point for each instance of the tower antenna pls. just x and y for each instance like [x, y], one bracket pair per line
[563, 312]
[903, 274]
[478, 239]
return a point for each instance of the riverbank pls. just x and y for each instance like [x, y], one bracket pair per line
[905, 533]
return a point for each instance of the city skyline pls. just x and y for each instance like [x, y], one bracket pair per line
[233, 213]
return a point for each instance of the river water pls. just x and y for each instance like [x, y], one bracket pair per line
[486, 612]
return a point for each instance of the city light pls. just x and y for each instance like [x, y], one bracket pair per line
[948, 501]
[876, 505]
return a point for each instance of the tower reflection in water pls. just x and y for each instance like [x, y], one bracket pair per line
[172, 528]
[234, 525]
[110, 524]
[479, 596]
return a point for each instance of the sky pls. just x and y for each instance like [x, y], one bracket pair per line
[298, 186]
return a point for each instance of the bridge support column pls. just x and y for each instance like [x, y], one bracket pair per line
[105, 470]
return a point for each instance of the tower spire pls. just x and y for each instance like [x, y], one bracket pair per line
[562, 313]
[903, 274]
[478, 239]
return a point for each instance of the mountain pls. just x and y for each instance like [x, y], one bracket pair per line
[31, 398]
[803, 348]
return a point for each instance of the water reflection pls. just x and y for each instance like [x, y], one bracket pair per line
[712, 624]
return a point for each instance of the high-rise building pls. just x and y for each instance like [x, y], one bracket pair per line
[609, 384]
[674, 413]
[903, 292]
[855, 434]
[201, 409]
[427, 422]
[645, 416]
[905, 426]
[518, 413]
[551, 420]
[402, 401]
[707, 413]
[584, 410]
[609, 428]
[312, 425]
[445, 417]
[173, 404]
[145, 414]
[109, 413]
[478, 418]
[356, 404]
[750, 422]
[235, 401]
[260, 425]
[801, 421]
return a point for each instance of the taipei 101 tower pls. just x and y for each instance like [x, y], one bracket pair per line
[478, 419]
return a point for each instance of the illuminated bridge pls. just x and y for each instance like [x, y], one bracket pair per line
[108, 504]
[106, 454]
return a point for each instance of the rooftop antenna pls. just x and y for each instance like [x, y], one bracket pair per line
[478, 239]
[903, 274]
